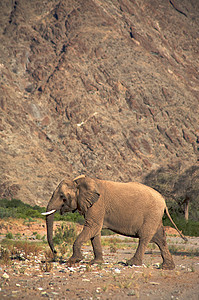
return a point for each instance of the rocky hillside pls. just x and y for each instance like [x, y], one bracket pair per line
[106, 88]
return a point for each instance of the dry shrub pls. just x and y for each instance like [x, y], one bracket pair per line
[47, 266]
[28, 248]
[5, 258]
[49, 256]
[23, 248]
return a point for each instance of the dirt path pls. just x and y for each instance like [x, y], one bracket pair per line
[112, 280]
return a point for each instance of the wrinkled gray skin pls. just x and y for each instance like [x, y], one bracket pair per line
[131, 209]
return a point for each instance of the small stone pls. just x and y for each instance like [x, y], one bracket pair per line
[189, 270]
[117, 271]
[156, 265]
[183, 267]
[44, 294]
[5, 276]
[131, 293]
[71, 269]
[85, 279]
[154, 283]
[62, 271]
[98, 290]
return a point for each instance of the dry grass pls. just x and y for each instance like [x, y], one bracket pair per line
[18, 250]
[5, 258]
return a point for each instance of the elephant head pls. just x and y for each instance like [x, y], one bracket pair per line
[70, 195]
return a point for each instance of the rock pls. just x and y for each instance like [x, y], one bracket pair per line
[86, 279]
[55, 293]
[98, 290]
[117, 271]
[75, 102]
[5, 276]
[131, 293]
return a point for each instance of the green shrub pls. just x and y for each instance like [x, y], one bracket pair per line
[10, 236]
[44, 238]
[70, 217]
[65, 234]
[38, 236]
[177, 184]
[7, 213]
[189, 228]
[106, 232]
[18, 236]
[17, 209]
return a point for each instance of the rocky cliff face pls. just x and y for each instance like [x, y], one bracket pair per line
[106, 88]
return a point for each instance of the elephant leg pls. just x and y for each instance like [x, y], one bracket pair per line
[160, 240]
[145, 234]
[138, 257]
[83, 237]
[97, 249]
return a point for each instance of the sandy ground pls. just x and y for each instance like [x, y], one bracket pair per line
[32, 278]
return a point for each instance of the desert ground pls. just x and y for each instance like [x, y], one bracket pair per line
[33, 277]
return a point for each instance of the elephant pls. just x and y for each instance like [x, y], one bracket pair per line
[130, 209]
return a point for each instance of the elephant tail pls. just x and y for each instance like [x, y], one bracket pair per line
[168, 214]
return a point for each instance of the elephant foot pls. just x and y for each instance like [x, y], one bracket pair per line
[168, 265]
[72, 260]
[96, 261]
[134, 262]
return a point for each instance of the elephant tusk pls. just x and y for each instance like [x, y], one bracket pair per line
[48, 212]
[78, 177]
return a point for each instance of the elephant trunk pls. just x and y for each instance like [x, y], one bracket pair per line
[49, 225]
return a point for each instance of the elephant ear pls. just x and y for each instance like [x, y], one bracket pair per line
[88, 193]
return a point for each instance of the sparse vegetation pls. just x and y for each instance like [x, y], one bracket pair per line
[22, 248]
[18, 250]
[13, 247]
[65, 233]
[17, 209]
[5, 257]
[64, 237]
[113, 248]
[9, 235]
[106, 232]
[18, 236]
[178, 187]
[189, 228]
[47, 266]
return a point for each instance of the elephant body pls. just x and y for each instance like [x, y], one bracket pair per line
[135, 196]
[131, 209]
